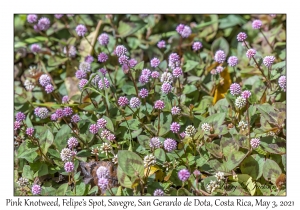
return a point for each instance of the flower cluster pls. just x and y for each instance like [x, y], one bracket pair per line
[149, 160]
[184, 30]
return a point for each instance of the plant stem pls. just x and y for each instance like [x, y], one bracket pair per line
[107, 49]
[39, 146]
[248, 118]
[143, 125]
[97, 134]
[187, 160]
[112, 81]
[73, 131]
[234, 74]
[257, 64]
[133, 80]
[106, 105]
[142, 186]
[95, 38]
[95, 105]
[147, 173]
[88, 42]
[180, 43]
[177, 154]
[158, 126]
[269, 76]
[262, 95]
[266, 38]
[55, 125]
[123, 114]
[74, 182]
[201, 61]
[111, 192]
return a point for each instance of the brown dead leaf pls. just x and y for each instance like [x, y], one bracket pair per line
[222, 89]
[72, 86]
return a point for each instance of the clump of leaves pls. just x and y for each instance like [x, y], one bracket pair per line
[123, 103]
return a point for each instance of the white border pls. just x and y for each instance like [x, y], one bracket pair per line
[8, 8]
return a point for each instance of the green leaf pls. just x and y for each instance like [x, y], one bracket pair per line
[139, 66]
[131, 163]
[151, 128]
[221, 130]
[268, 112]
[136, 133]
[36, 39]
[206, 101]
[133, 42]
[93, 191]
[84, 153]
[119, 191]
[163, 64]
[61, 137]
[129, 89]
[190, 65]
[144, 141]
[77, 176]
[54, 153]
[230, 21]
[48, 191]
[189, 89]
[228, 146]
[43, 170]
[271, 171]
[279, 66]
[234, 159]
[46, 140]
[215, 120]
[274, 148]
[220, 44]
[55, 60]
[231, 100]
[253, 165]
[133, 124]
[283, 160]
[80, 188]
[204, 157]
[164, 129]
[123, 178]
[246, 181]
[27, 172]
[259, 150]
[236, 189]
[241, 140]
[160, 154]
[128, 28]
[62, 189]
[217, 165]
[183, 192]
[71, 41]
[214, 149]
[27, 153]
[207, 180]
[274, 145]
[109, 124]
[28, 121]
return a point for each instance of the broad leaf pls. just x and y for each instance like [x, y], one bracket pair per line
[123, 178]
[271, 170]
[131, 163]
[253, 165]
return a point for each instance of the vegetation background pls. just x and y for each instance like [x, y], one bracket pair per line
[203, 98]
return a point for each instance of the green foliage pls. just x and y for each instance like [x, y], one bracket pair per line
[219, 142]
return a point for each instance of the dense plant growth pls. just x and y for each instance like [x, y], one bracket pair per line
[150, 104]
